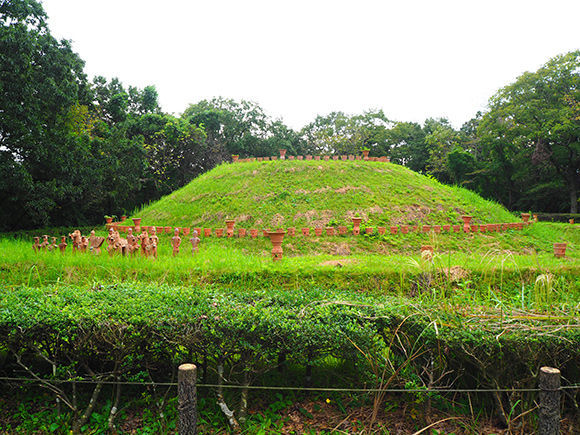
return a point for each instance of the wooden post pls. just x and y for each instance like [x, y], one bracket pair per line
[549, 384]
[187, 399]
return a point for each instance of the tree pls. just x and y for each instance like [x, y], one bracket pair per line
[177, 154]
[534, 123]
[338, 133]
[41, 80]
[440, 140]
[238, 128]
[405, 143]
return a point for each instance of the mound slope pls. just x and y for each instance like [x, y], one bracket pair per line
[318, 193]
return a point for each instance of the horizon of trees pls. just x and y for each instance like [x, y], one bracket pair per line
[73, 150]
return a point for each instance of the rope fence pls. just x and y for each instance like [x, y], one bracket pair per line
[288, 388]
[549, 391]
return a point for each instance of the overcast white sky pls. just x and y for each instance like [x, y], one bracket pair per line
[302, 58]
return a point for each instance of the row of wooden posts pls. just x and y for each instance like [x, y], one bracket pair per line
[548, 384]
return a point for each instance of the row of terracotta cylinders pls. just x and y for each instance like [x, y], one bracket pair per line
[332, 231]
[344, 158]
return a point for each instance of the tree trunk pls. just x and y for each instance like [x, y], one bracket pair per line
[573, 199]
[572, 182]
[187, 399]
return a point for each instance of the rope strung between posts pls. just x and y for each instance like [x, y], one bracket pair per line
[257, 387]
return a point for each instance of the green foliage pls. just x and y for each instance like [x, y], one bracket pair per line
[405, 143]
[144, 331]
[341, 134]
[41, 79]
[531, 131]
[240, 128]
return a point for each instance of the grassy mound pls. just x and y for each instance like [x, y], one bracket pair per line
[317, 194]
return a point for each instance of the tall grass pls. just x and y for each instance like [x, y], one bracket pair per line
[496, 270]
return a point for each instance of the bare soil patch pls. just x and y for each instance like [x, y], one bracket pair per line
[337, 263]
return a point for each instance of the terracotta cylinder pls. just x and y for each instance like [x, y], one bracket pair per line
[356, 225]
[466, 221]
[560, 250]
[230, 227]
[276, 237]
[137, 222]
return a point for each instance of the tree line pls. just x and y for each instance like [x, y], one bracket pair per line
[73, 150]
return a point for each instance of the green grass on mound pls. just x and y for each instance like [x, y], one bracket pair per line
[316, 194]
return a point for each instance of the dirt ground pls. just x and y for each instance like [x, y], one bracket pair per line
[325, 417]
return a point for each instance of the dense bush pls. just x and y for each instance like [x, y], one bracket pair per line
[132, 332]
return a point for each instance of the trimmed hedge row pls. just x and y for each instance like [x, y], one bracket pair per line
[129, 332]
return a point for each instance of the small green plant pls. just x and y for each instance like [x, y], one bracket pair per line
[333, 223]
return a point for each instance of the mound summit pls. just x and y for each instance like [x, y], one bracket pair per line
[284, 193]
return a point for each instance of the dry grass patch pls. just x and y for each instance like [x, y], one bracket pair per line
[198, 197]
[315, 218]
[277, 220]
[456, 273]
[338, 263]
[244, 218]
[206, 217]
